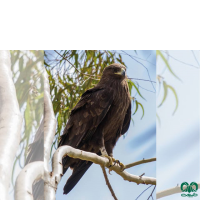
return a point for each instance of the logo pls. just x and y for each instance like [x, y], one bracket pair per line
[193, 187]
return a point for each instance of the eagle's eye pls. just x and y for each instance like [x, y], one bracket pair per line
[116, 70]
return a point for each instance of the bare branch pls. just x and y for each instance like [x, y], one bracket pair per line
[144, 191]
[139, 86]
[83, 155]
[52, 180]
[179, 60]
[49, 122]
[139, 79]
[10, 123]
[170, 191]
[140, 162]
[108, 183]
[142, 65]
[195, 58]
[151, 195]
[32, 172]
[49, 133]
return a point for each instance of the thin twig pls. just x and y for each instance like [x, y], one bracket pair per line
[180, 60]
[195, 57]
[170, 191]
[139, 162]
[146, 60]
[144, 191]
[108, 183]
[139, 79]
[152, 193]
[75, 67]
[139, 86]
[143, 66]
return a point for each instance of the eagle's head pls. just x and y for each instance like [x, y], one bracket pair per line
[115, 70]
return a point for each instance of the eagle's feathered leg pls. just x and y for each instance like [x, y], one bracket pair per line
[111, 159]
[105, 154]
[109, 145]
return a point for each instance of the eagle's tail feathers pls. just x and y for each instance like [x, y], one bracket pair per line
[77, 174]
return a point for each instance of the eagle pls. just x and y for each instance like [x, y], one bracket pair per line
[101, 116]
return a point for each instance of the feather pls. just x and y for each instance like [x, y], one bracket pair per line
[101, 116]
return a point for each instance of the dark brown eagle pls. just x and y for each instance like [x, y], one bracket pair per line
[95, 124]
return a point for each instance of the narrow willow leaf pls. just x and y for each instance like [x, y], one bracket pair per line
[176, 97]
[130, 85]
[167, 64]
[137, 90]
[118, 60]
[136, 106]
[142, 109]
[165, 93]
[76, 61]
[73, 83]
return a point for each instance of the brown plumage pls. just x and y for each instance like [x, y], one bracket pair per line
[95, 124]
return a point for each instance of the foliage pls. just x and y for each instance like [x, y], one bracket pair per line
[71, 73]
[27, 76]
[166, 87]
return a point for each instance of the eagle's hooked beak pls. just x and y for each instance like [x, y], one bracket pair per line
[122, 72]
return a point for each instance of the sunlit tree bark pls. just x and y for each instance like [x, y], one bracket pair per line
[10, 123]
[32, 172]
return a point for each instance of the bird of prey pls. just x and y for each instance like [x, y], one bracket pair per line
[97, 121]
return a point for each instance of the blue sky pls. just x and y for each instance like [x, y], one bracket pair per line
[178, 142]
[139, 143]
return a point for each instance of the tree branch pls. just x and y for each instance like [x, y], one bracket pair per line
[83, 155]
[151, 195]
[49, 122]
[32, 172]
[49, 133]
[139, 79]
[10, 123]
[139, 162]
[108, 183]
[91, 76]
[170, 191]
[143, 192]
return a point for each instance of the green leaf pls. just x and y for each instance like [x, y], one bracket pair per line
[165, 93]
[167, 64]
[68, 85]
[136, 108]
[175, 95]
[137, 90]
[142, 109]
[130, 85]
[76, 61]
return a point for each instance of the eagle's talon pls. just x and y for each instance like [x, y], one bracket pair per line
[111, 160]
[121, 165]
[109, 171]
[114, 163]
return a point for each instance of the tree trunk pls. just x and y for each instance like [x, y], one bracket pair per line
[10, 123]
